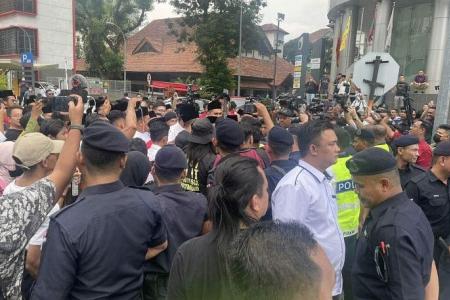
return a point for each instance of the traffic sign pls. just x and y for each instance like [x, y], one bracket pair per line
[376, 73]
[149, 79]
[26, 58]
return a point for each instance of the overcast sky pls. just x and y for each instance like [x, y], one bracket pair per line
[301, 15]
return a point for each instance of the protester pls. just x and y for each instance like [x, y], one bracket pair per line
[187, 115]
[54, 129]
[27, 209]
[271, 255]
[160, 109]
[200, 154]
[238, 199]
[305, 194]
[98, 245]
[142, 118]
[419, 129]
[136, 169]
[394, 253]
[7, 165]
[14, 114]
[184, 214]
[363, 139]
[159, 133]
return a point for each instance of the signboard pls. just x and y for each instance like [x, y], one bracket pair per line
[26, 58]
[298, 71]
[386, 73]
[315, 61]
[314, 66]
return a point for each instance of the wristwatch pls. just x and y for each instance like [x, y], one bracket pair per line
[77, 127]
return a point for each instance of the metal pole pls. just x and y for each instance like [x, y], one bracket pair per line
[443, 104]
[124, 56]
[240, 53]
[274, 88]
[31, 51]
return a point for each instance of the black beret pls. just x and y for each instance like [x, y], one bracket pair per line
[170, 158]
[371, 161]
[442, 149]
[187, 112]
[214, 105]
[286, 112]
[280, 136]
[405, 141]
[106, 137]
[229, 133]
[365, 134]
[170, 115]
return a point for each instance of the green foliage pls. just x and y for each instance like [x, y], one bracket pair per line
[291, 50]
[3, 81]
[214, 26]
[103, 42]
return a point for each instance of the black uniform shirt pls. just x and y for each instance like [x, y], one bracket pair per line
[274, 173]
[432, 195]
[409, 172]
[96, 247]
[184, 214]
[401, 225]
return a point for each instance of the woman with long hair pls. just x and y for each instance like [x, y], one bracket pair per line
[237, 199]
[200, 154]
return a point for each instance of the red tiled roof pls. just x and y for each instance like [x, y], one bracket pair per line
[272, 27]
[174, 57]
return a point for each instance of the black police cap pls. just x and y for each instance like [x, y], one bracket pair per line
[442, 149]
[405, 141]
[106, 137]
[280, 136]
[169, 158]
[371, 161]
[229, 133]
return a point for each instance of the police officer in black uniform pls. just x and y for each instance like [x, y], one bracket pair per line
[430, 191]
[279, 147]
[97, 247]
[394, 252]
[406, 151]
[184, 214]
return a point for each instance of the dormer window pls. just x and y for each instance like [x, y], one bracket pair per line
[144, 47]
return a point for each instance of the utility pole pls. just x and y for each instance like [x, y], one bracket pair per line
[443, 104]
[274, 87]
[240, 52]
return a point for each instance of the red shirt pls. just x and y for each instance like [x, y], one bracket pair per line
[425, 155]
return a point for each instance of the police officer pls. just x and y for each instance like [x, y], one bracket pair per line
[348, 206]
[394, 252]
[406, 151]
[184, 214]
[96, 247]
[279, 147]
[430, 191]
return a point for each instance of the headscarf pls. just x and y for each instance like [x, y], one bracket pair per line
[136, 169]
[7, 164]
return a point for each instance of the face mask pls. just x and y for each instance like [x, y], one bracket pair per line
[212, 119]
[16, 173]
[436, 138]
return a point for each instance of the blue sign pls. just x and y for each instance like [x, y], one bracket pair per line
[26, 58]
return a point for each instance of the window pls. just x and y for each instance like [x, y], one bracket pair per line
[26, 6]
[411, 37]
[144, 48]
[15, 41]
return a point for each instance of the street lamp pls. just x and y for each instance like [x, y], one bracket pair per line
[31, 51]
[280, 18]
[240, 52]
[124, 56]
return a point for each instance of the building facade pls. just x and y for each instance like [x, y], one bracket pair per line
[418, 35]
[46, 27]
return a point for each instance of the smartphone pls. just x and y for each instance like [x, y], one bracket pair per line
[61, 103]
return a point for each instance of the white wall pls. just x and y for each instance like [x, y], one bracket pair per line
[55, 30]
[272, 37]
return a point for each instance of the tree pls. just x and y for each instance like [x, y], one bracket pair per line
[214, 26]
[103, 42]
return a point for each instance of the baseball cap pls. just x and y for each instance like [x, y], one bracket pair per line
[32, 148]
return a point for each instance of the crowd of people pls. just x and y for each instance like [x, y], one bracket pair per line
[138, 199]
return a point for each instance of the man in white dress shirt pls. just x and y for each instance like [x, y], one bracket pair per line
[305, 194]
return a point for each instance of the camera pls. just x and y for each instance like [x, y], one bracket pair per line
[61, 103]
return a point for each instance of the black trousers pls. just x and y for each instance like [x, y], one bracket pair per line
[442, 260]
[350, 249]
[155, 286]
